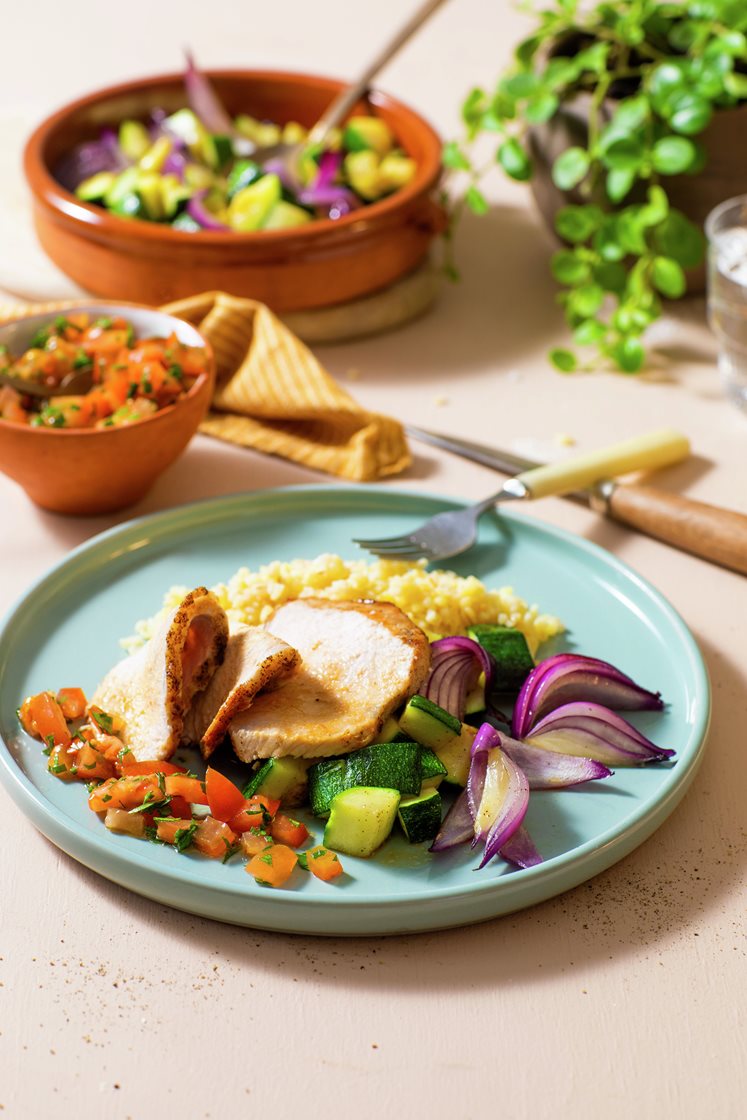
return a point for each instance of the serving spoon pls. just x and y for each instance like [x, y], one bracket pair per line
[286, 153]
[76, 382]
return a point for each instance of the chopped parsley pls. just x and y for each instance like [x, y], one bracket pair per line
[40, 339]
[303, 860]
[81, 360]
[176, 372]
[104, 322]
[183, 838]
[102, 720]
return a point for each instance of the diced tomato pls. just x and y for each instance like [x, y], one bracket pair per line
[110, 746]
[247, 819]
[44, 715]
[73, 702]
[286, 830]
[119, 820]
[323, 863]
[105, 722]
[125, 793]
[257, 812]
[191, 789]
[127, 769]
[91, 763]
[214, 838]
[178, 807]
[260, 801]
[255, 841]
[62, 764]
[166, 830]
[274, 866]
[224, 798]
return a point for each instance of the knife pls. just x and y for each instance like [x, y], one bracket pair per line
[710, 532]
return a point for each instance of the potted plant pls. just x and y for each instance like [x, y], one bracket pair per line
[628, 117]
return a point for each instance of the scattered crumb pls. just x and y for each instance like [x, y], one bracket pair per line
[564, 440]
[353, 375]
[514, 376]
[440, 401]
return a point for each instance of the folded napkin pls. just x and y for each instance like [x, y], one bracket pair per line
[272, 394]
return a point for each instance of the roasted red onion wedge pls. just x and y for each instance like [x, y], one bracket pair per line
[204, 102]
[457, 826]
[505, 800]
[456, 664]
[520, 849]
[485, 741]
[594, 732]
[547, 769]
[569, 677]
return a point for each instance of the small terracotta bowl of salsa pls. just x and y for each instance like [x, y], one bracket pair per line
[101, 451]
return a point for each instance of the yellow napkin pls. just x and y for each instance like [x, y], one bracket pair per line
[272, 393]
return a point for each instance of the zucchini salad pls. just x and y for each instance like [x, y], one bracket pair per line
[354, 699]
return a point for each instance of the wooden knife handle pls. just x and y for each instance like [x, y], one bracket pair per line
[715, 534]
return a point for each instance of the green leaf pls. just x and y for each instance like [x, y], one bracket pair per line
[474, 106]
[526, 50]
[668, 277]
[619, 183]
[514, 160]
[623, 154]
[606, 241]
[690, 113]
[564, 360]
[612, 276]
[568, 268]
[630, 114]
[477, 201]
[541, 107]
[593, 58]
[454, 157]
[589, 333]
[672, 155]
[731, 42]
[584, 302]
[677, 237]
[631, 231]
[559, 73]
[629, 354]
[736, 85]
[570, 168]
[577, 223]
[520, 85]
[665, 82]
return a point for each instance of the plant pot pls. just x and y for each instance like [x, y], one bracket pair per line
[725, 173]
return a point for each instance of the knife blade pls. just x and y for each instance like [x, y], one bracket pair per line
[505, 462]
[707, 531]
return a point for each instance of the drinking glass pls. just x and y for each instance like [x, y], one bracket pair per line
[726, 230]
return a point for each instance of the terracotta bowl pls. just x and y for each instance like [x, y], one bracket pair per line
[317, 265]
[89, 471]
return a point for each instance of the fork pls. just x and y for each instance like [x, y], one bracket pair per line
[448, 534]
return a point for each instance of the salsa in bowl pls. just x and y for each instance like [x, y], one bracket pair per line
[95, 452]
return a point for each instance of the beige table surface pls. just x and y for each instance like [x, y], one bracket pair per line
[621, 998]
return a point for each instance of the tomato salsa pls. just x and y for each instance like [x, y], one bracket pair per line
[129, 378]
[165, 803]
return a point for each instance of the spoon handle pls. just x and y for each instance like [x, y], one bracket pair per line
[344, 102]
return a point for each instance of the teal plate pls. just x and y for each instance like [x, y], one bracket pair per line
[66, 630]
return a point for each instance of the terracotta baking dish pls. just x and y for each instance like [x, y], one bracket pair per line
[323, 263]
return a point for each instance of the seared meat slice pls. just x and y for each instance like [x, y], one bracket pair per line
[255, 659]
[151, 691]
[359, 662]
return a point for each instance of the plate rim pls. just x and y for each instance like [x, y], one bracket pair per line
[632, 830]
